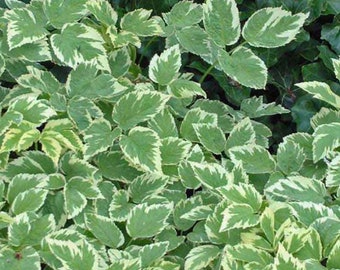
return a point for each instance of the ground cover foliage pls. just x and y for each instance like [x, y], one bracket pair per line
[128, 144]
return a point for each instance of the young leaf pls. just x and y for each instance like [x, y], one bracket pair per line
[103, 11]
[326, 139]
[99, 137]
[138, 22]
[321, 90]
[78, 43]
[181, 88]
[200, 257]
[163, 69]
[148, 220]
[184, 13]
[61, 12]
[221, 21]
[23, 28]
[254, 107]
[255, 159]
[136, 107]
[105, 230]
[272, 27]
[244, 67]
[142, 148]
[211, 137]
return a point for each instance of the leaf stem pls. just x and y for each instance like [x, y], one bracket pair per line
[146, 46]
[207, 72]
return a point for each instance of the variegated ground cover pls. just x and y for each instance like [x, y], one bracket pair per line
[117, 169]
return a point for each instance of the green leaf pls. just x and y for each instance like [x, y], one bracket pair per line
[33, 110]
[200, 257]
[211, 175]
[141, 147]
[242, 193]
[248, 253]
[150, 253]
[120, 207]
[103, 11]
[239, 216]
[81, 111]
[255, 159]
[29, 200]
[19, 138]
[211, 137]
[99, 137]
[83, 81]
[148, 220]
[333, 172]
[163, 69]
[244, 67]
[138, 22]
[119, 62]
[297, 188]
[285, 260]
[333, 258]
[23, 27]
[164, 124]
[39, 80]
[2, 64]
[182, 88]
[195, 116]
[136, 107]
[330, 33]
[147, 184]
[304, 141]
[326, 139]
[243, 133]
[29, 259]
[174, 150]
[336, 65]
[123, 38]
[221, 21]
[290, 157]
[267, 223]
[78, 43]
[105, 230]
[60, 12]
[272, 27]
[184, 13]
[254, 107]
[321, 90]
[73, 255]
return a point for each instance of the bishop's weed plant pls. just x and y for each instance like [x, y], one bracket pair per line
[106, 165]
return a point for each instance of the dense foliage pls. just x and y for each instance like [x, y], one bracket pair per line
[151, 135]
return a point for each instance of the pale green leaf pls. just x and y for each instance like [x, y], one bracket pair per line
[321, 90]
[333, 258]
[196, 116]
[23, 27]
[60, 12]
[324, 116]
[211, 175]
[211, 137]
[250, 254]
[164, 124]
[297, 188]
[78, 43]
[285, 260]
[333, 172]
[138, 22]
[255, 159]
[184, 13]
[200, 257]
[326, 139]
[2, 64]
[123, 38]
[103, 11]
[267, 223]
[336, 65]
[141, 147]
[244, 67]
[304, 141]
[290, 157]
[182, 207]
[29, 200]
[148, 220]
[243, 133]
[174, 150]
[150, 253]
[99, 136]
[239, 216]
[120, 207]
[119, 62]
[147, 184]
[105, 230]
[254, 107]
[163, 69]
[182, 88]
[221, 21]
[136, 107]
[272, 27]
[30, 259]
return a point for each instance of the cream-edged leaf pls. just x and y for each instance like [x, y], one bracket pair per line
[211, 137]
[200, 257]
[174, 150]
[184, 13]
[103, 11]
[326, 139]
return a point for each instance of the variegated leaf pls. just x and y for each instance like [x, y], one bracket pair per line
[164, 124]
[163, 69]
[103, 11]
[254, 107]
[200, 257]
[182, 88]
[286, 153]
[221, 21]
[333, 172]
[272, 27]
[211, 137]
[336, 65]
[119, 62]
[30, 259]
[184, 13]
[285, 260]
[152, 252]
[243, 133]
[29, 200]
[141, 147]
[212, 175]
[120, 207]
[326, 139]
[174, 150]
